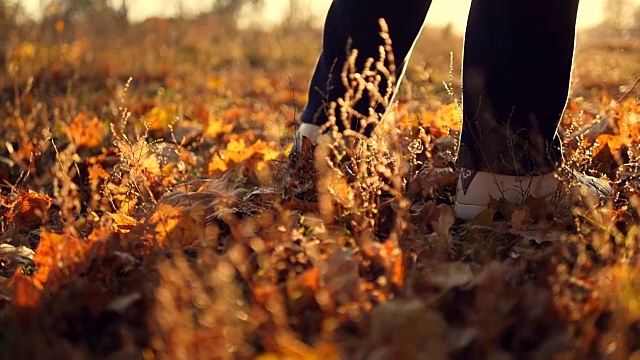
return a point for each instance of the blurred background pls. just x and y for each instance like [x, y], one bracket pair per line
[273, 11]
[84, 51]
[30, 27]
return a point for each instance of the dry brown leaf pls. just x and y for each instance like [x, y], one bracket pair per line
[538, 208]
[405, 329]
[442, 225]
[446, 276]
[340, 277]
[430, 179]
[519, 218]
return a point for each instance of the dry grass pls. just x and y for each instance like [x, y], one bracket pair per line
[163, 227]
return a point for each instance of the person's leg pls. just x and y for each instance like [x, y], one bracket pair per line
[354, 24]
[516, 75]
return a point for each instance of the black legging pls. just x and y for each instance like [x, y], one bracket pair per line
[516, 73]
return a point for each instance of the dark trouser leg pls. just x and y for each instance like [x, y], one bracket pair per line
[353, 24]
[516, 73]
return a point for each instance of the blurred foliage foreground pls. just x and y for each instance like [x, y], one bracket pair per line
[147, 210]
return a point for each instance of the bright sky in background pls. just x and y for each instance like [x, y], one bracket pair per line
[442, 11]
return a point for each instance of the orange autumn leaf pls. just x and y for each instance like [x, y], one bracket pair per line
[86, 133]
[216, 127]
[217, 164]
[613, 141]
[27, 293]
[122, 223]
[29, 209]
[290, 348]
[234, 114]
[237, 151]
[340, 190]
[141, 157]
[97, 172]
[310, 279]
[262, 85]
[262, 293]
[159, 118]
[445, 118]
[268, 150]
[60, 254]
[177, 226]
[164, 220]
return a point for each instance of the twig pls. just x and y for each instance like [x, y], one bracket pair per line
[629, 91]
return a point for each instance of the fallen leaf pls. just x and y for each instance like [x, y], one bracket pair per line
[86, 133]
[445, 276]
[430, 179]
[29, 210]
[442, 225]
[519, 218]
[26, 293]
[405, 329]
[216, 127]
[122, 223]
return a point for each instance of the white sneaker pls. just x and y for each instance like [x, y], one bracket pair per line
[476, 189]
[309, 131]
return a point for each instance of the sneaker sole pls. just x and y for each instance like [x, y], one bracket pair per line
[467, 211]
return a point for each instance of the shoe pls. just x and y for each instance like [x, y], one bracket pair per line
[309, 131]
[475, 190]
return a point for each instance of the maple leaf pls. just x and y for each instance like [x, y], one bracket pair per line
[613, 141]
[442, 120]
[217, 164]
[216, 127]
[29, 209]
[122, 223]
[97, 172]
[85, 132]
[159, 118]
[237, 151]
[27, 293]
[179, 227]
[141, 157]
[60, 254]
